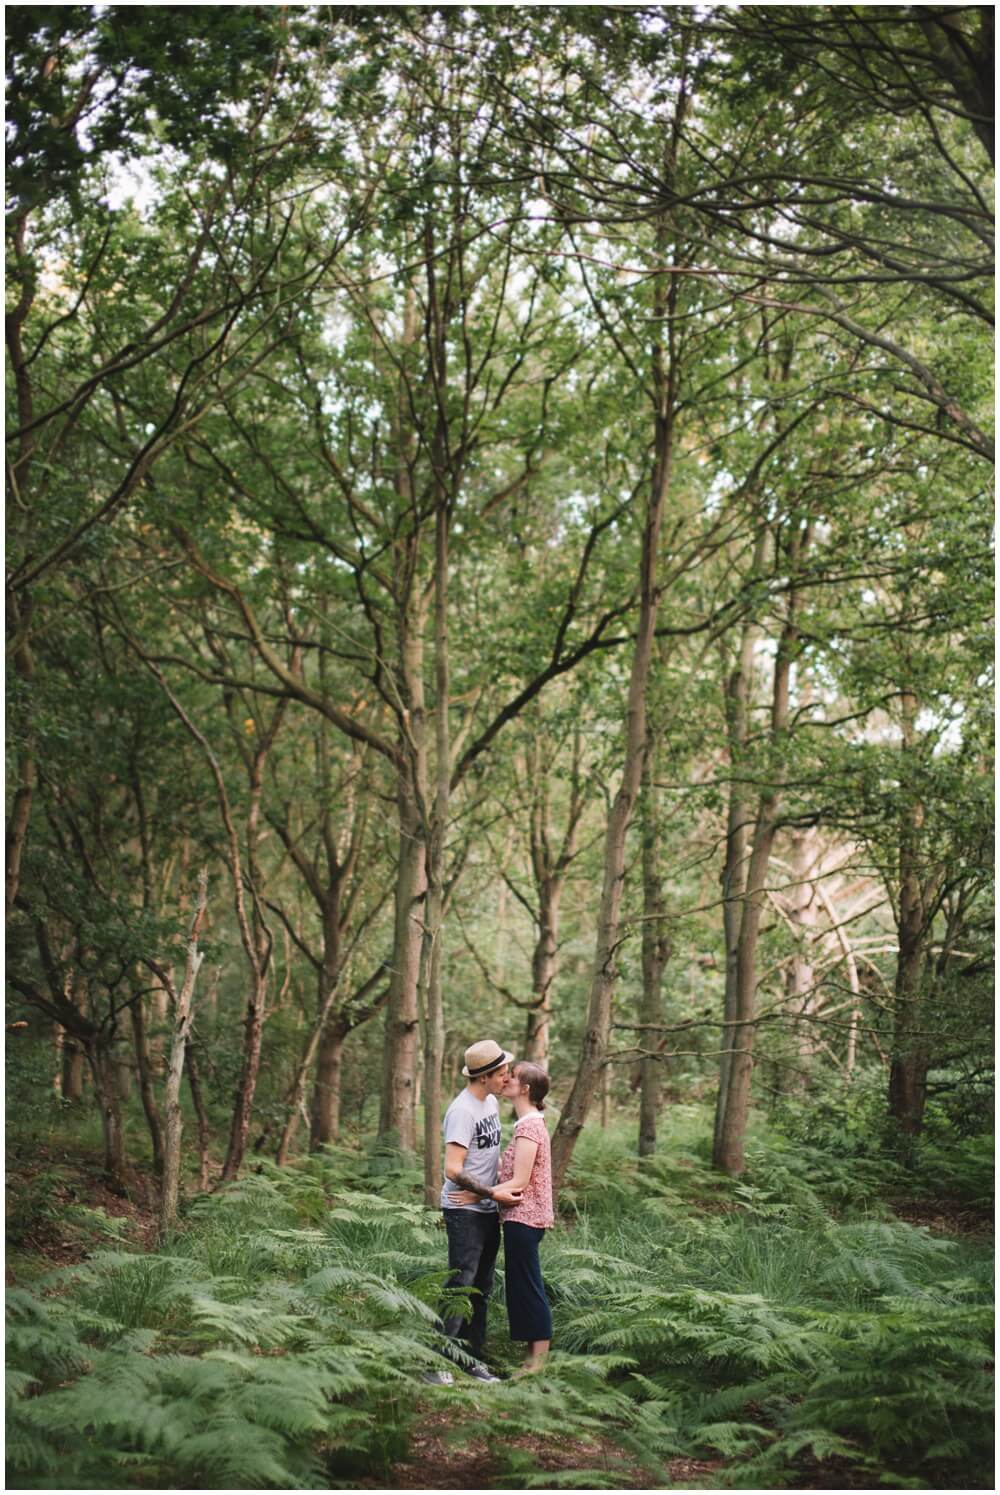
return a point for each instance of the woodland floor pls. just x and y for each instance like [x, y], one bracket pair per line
[435, 1461]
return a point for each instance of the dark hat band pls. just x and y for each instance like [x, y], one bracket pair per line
[484, 1069]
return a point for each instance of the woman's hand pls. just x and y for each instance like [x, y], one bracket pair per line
[506, 1195]
[464, 1196]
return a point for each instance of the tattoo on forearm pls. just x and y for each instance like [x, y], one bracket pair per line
[465, 1181]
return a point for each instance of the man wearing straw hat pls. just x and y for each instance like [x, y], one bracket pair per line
[470, 1195]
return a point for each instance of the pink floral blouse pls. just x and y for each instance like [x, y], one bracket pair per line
[535, 1207]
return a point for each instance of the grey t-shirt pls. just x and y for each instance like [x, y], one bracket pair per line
[475, 1124]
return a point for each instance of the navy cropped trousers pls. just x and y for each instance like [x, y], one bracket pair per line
[528, 1311]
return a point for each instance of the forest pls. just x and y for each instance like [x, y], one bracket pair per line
[499, 546]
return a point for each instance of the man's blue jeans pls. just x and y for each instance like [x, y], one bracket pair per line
[473, 1243]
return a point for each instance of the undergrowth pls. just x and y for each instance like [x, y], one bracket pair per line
[278, 1340]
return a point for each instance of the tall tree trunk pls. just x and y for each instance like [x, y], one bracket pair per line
[74, 1059]
[255, 936]
[328, 1037]
[246, 1085]
[175, 1068]
[324, 1111]
[201, 1115]
[103, 1070]
[258, 947]
[739, 690]
[543, 972]
[728, 1153]
[910, 1059]
[436, 833]
[655, 951]
[146, 1090]
[397, 1110]
[803, 914]
[549, 869]
[598, 1019]
[397, 1122]
[24, 794]
[851, 962]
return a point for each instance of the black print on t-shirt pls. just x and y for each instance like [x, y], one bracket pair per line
[487, 1132]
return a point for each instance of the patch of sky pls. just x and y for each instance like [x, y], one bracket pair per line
[944, 723]
[722, 483]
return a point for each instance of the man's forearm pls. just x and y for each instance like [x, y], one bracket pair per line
[465, 1180]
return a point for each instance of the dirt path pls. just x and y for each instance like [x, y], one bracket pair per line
[435, 1462]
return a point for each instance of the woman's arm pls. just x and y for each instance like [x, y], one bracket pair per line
[524, 1160]
[454, 1171]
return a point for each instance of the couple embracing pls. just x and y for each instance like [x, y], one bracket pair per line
[481, 1190]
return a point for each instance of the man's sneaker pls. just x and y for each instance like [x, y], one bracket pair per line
[438, 1378]
[479, 1372]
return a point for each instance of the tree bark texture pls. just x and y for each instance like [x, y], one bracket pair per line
[605, 974]
[397, 1120]
[173, 1116]
[728, 1153]
[201, 1114]
[324, 1112]
[910, 1060]
[436, 826]
[655, 951]
[549, 867]
[739, 819]
[144, 1068]
[103, 1071]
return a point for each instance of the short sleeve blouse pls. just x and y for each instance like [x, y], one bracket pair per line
[535, 1206]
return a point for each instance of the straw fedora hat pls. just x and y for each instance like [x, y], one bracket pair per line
[483, 1058]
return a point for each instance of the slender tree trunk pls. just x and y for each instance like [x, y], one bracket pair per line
[503, 902]
[74, 1059]
[433, 1048]
[201, 1115]
[146, 1089]
[850, 961]
[19, 604]
[655, 951]
[598, 1019]
[331, 1067]
[910, 1060]
[246, 1086]
[328, 1036]
[174, 1118]
[58, 1035]
[123, 1070]
[73, 1067]
[27, 768]
[397, 1110]
[103, 1070]
[436, 833]
[17, 827]
[324, 1112]
[728, 1151]
[739, 688]
[543, 971]
[396, 1114]
[803, 912]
